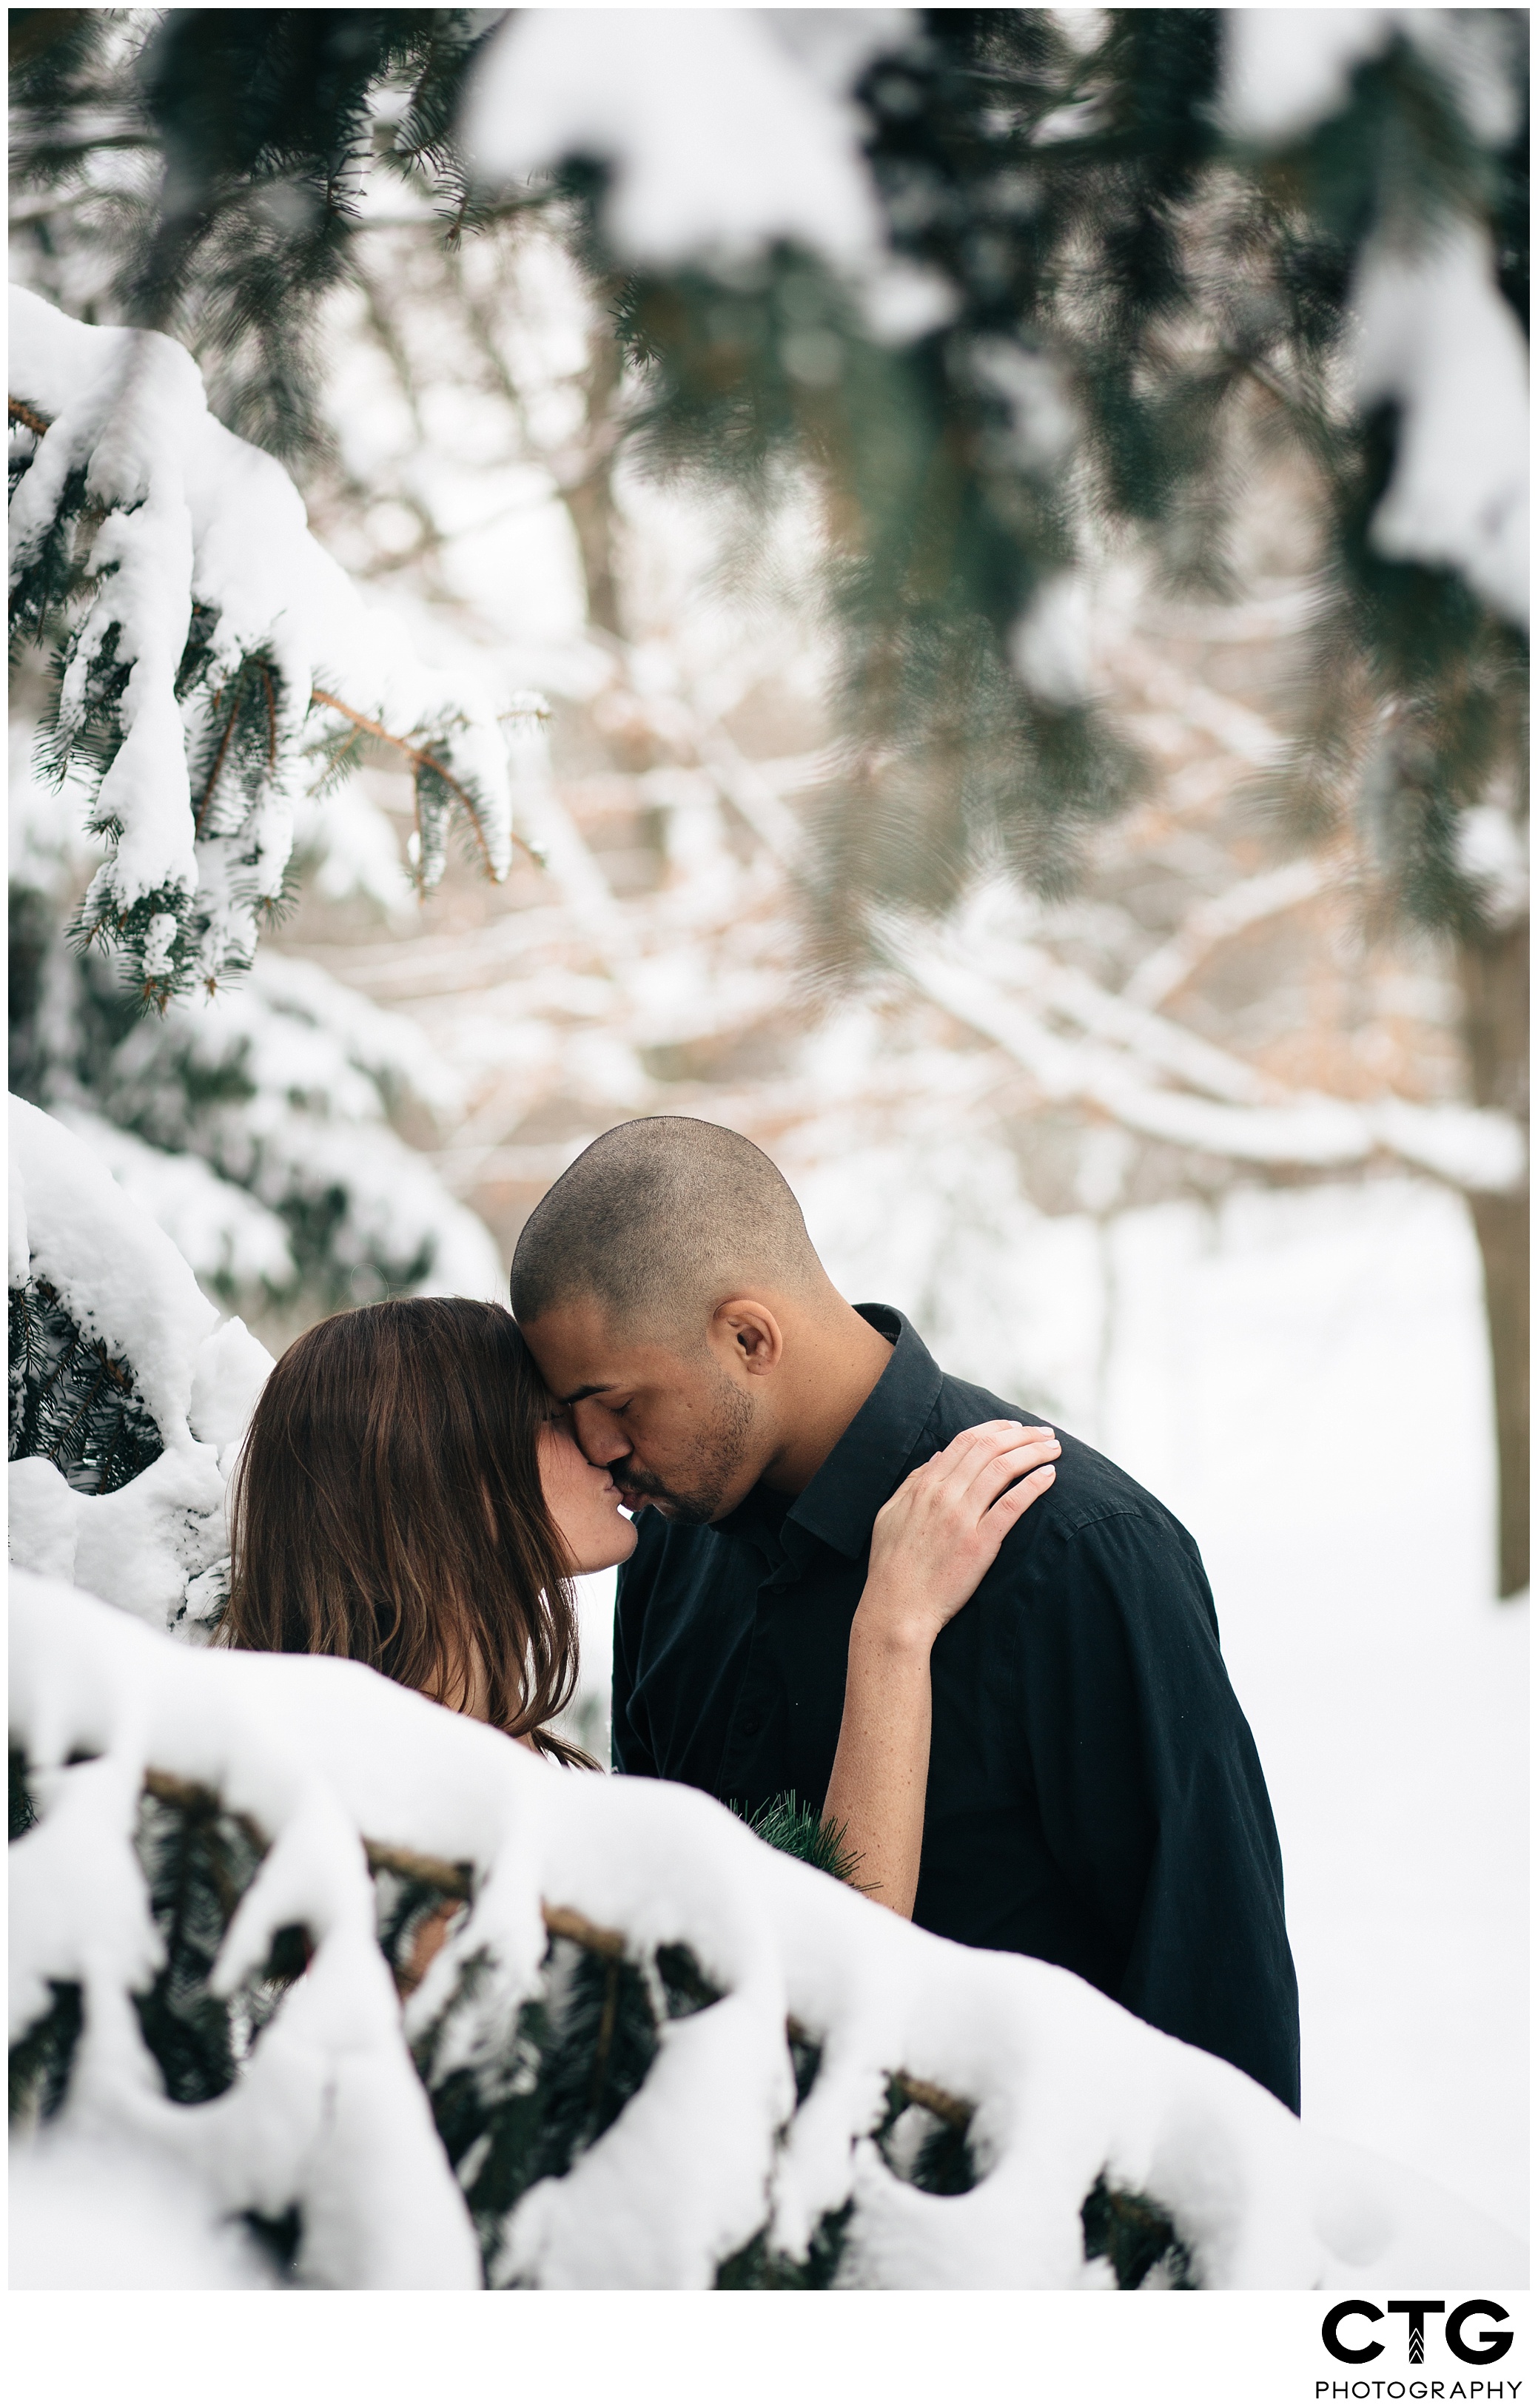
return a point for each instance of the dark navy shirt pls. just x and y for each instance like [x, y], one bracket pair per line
[1093, 1797]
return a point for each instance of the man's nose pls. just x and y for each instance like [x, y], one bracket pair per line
[598, 1434]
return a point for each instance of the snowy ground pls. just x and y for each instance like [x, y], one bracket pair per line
[1302, 1377]
[1309, 1394]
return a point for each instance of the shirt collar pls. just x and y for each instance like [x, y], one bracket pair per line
[841, 1500]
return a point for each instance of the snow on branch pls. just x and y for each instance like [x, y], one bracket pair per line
[1193, 703]
[199, 624]
[128, 1396]
[727, 129]
[1431, 331]
[1435, 335]
[1288, 70]
[1477, 1150]
[788, 2022]
[1161, 1045]
[284, 1086]
[1162, 973]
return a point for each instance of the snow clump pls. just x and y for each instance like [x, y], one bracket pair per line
[158, 1545]
[726, 129]
[1287, 70]
[1435, 333]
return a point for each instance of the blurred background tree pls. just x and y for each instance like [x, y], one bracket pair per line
[981, 345]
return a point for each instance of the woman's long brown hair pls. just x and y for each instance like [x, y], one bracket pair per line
[387, 1507]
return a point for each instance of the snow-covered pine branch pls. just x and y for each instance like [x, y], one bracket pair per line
[113, 1340]
[258, 1127]
[790, 2045]
[198, 624]
[1431, 331]
[782, 2055]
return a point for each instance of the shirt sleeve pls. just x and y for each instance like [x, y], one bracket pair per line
[627, 1748]
[1152, 1799]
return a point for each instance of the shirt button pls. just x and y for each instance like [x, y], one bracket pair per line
[752, 1725]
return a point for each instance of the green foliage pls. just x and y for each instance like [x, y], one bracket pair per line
[521, 2088]
[1412, 708]
[759, 2268]
[1411, 703]
[52, 575]
[41, 2061]
[21, 1812]
[234, 719]
[233, 752]
[1131, 298]
[52, 53]
[1137, 2239]
[199, 1860]
[521, 2101]
[72, 1402]
[927, 2141]
[250, 128]
[956, 466]
[798, 1831]
[42, 2056]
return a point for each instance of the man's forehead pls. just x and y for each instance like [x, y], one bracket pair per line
[580, 1353]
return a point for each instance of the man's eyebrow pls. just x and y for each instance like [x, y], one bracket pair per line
[594, 1388]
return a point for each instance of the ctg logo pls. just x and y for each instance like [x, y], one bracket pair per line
[1354, 2349]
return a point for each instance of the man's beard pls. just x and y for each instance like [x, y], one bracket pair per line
[719, 1459]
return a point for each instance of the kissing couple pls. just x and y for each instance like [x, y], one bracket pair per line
[982, 1651]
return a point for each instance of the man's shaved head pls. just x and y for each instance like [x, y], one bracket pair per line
[659, 1222]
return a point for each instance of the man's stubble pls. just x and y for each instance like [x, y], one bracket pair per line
[721, 1447]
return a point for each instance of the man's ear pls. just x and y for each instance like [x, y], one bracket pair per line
[748, 1332]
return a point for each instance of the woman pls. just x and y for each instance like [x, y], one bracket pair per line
[409, 1495]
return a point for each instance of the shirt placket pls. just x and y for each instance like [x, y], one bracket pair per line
[760, 1695]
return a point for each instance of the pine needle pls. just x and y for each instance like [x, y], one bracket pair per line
[798, 1831]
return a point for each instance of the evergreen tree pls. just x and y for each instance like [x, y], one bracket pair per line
[262, 1127]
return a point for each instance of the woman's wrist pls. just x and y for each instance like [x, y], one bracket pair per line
[896, 1626]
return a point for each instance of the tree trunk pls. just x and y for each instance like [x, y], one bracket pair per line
[1494, 974]
[590, 499]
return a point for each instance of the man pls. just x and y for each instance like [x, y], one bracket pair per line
[1094, 1795]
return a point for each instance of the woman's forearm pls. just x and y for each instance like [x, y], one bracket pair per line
[881, 1766]
[934, 1540]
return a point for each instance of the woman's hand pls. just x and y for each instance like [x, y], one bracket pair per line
[940, 1532]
